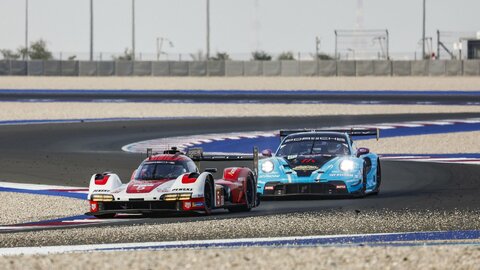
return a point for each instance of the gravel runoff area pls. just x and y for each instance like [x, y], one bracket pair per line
[328, 222]
[78, 110]
[243, 83]
[429, 257]
[448, 143]
[21, 207]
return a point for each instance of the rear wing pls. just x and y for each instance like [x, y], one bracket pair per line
[353, 132]
[197, 155]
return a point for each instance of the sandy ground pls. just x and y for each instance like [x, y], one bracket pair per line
[244, 83]
[75, 110]
[449, 143]
[18, 207]
[436, 257]
[327, 222]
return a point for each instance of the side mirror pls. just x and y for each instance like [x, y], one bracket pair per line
[362, 151]
[211, 170]
[267, 153]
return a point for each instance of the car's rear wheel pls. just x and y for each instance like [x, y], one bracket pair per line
[250, 198]
[208, 197]
[379, 178]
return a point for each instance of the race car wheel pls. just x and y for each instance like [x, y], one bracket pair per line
[250, 198]
[105, 216]
[379, 178]
[364, 182]
[208, 197]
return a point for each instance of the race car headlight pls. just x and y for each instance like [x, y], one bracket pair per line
[267, 166]
[347, 165]
[102, 198]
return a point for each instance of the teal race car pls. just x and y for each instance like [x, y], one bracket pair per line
[320, 162]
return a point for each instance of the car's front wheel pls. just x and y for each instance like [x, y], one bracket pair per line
[378, 178]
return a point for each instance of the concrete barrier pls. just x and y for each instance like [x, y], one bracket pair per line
[308, 68]
[401, 68]
[346, 68]
[197, 68]
[419, 68]
[161, 68]
[4, 67]
[471, 68]
[142, 68]
[178, 68]
[272, 68]
[327, 68]
[70, 68]
[253, 68]
[454, 68]
[234, 68]
[87, 68]
[36, 68]
[19, 68]
[106, 68]
[216, 68]
[382, 68]
[437, 68]
[52, 68]
[289, 68]
[364, 68]
[124, 68]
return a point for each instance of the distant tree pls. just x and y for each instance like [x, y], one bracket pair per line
[323, 56]
[261, 56]
[127, 56]
[198, 56]
[9, 54]
[286, 56]
[38, 50]
[220, 56]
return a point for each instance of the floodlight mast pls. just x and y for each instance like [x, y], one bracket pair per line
[423, 31]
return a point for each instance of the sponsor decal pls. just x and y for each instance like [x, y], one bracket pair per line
[187, 205]
[341, 186]
[341, 175]
[232, 171]
[197, 204]
[308, 160]
[268, 187]
[181, 189]
[94, 206]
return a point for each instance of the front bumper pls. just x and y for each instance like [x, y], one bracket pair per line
[330, 188]
[145, 207]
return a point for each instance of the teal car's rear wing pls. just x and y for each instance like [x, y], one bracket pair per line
[353, 132]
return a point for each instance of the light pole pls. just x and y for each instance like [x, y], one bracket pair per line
[208, 29]
[25, 56]
[317, 47]
[133, 30]
[91, 30]
[423, 30]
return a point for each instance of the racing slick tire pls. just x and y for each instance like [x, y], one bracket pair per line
[379, 178]
[208, 197]
[250, 198]
[363, 191]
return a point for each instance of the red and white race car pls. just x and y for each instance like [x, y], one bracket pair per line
[172, 182]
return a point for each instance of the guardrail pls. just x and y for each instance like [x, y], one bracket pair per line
[241, 68]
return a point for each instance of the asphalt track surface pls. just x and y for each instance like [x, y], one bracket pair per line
[237, 96]
[68, 154]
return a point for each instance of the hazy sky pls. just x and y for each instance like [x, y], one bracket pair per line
[236, 25]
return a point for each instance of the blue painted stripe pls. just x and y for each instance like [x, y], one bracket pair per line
[320, 241]
[92, 120]
[74, 195]
[237, 92]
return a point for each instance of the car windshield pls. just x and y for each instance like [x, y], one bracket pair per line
[161, 170]
[312, 145]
